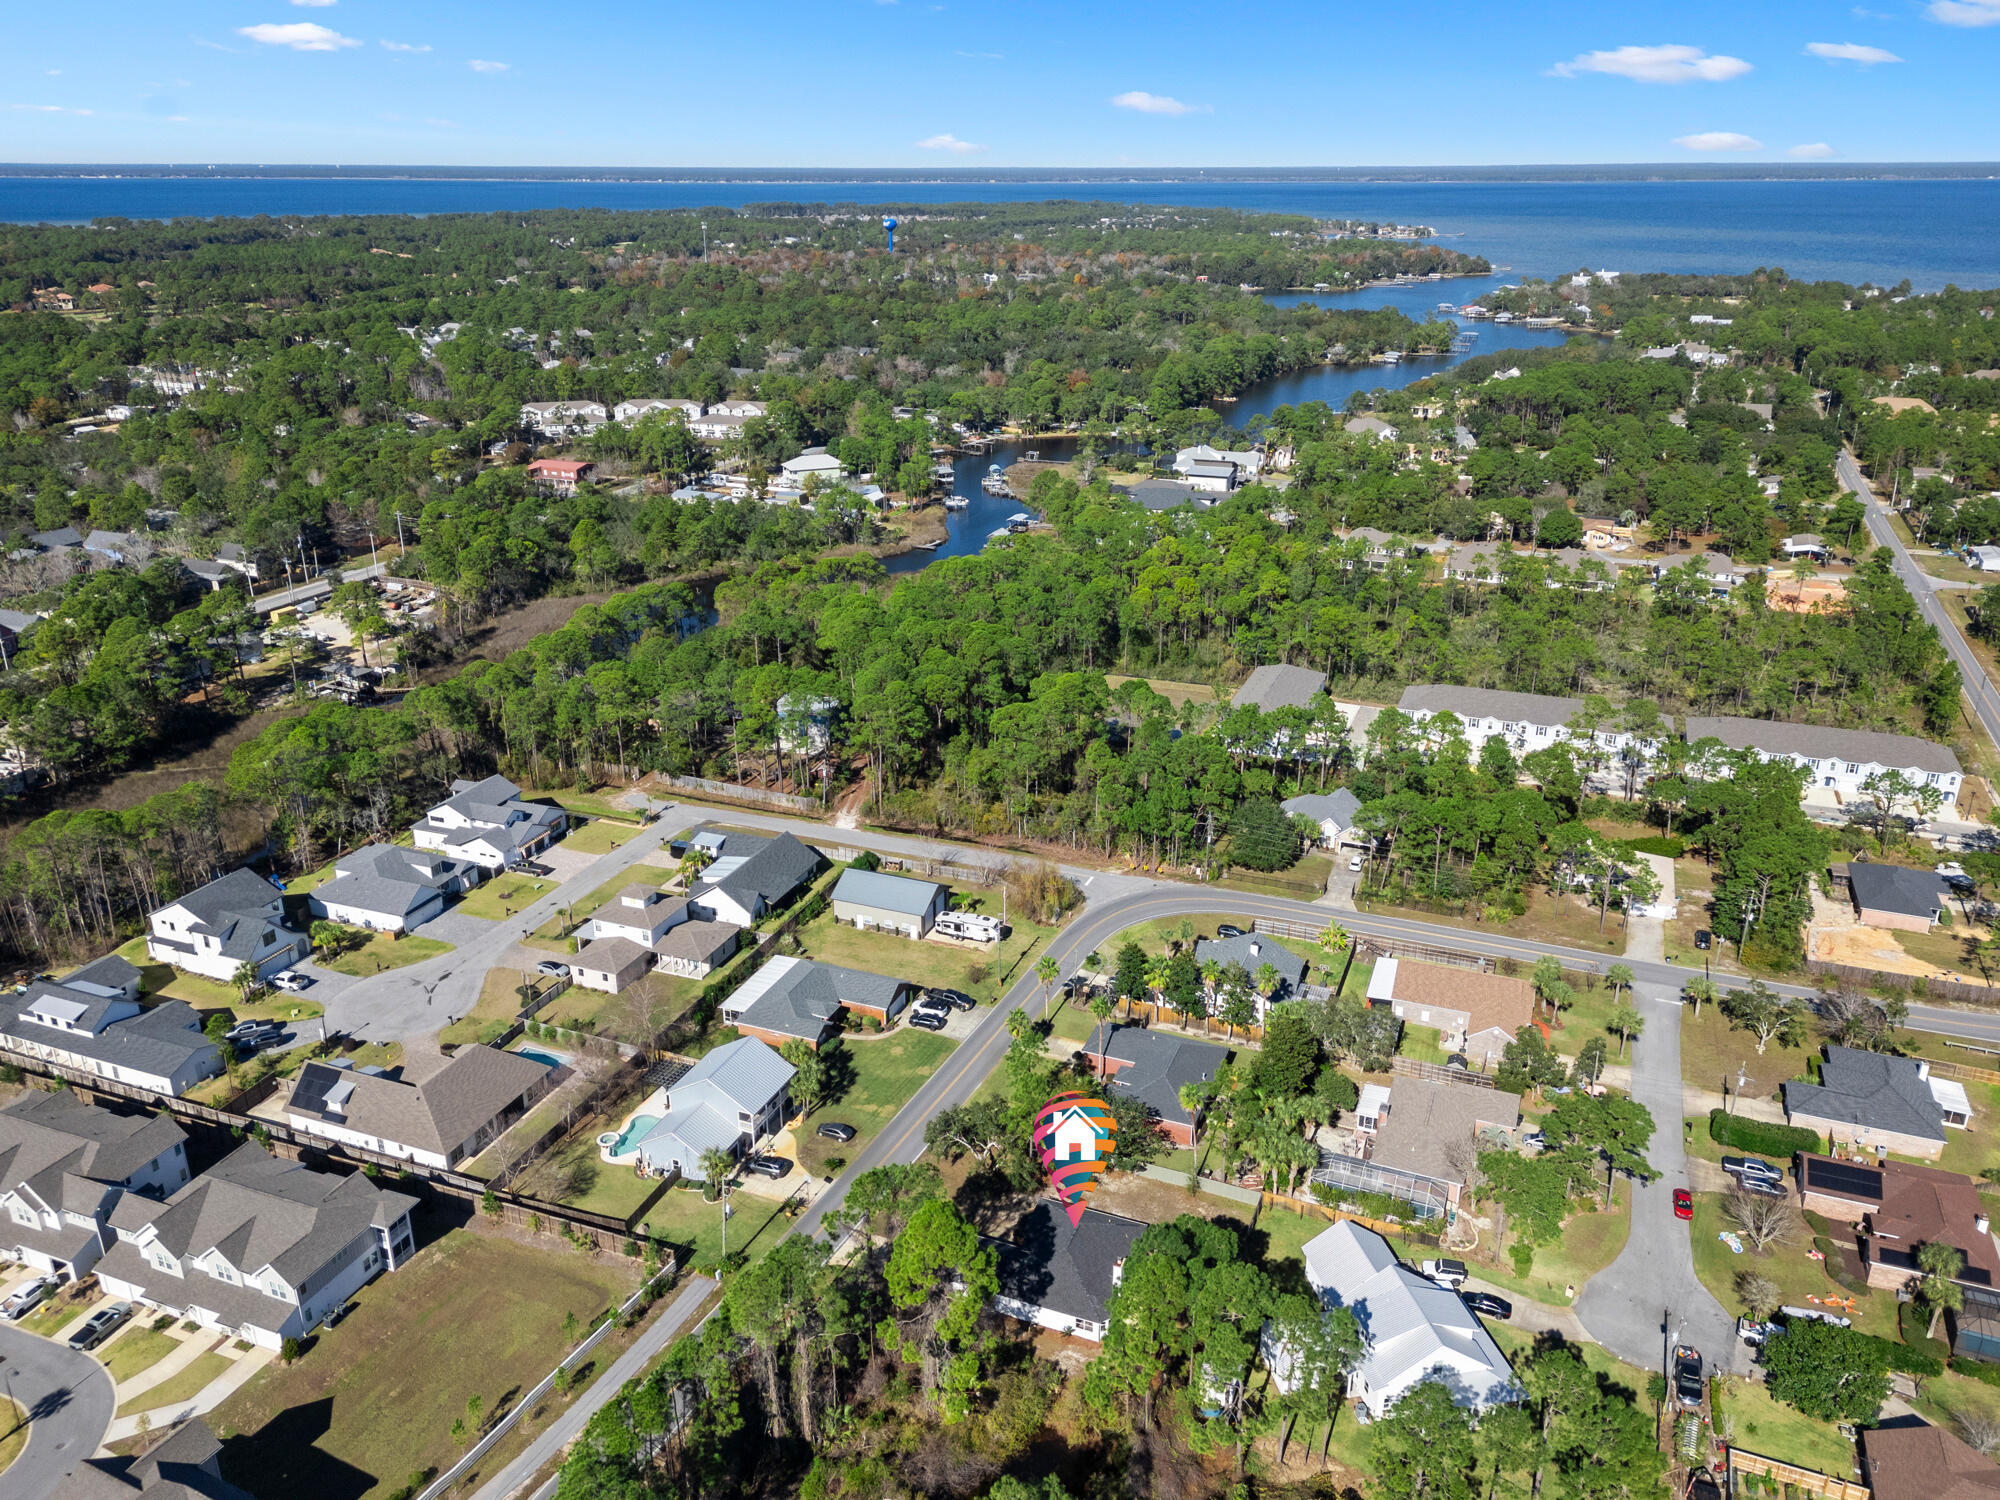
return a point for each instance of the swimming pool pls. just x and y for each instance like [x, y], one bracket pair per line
[553, 1059]
[634, 1132]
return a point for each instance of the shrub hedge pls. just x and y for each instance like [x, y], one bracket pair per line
[1760, 1136]
[1670, 848]
[1977, 1369]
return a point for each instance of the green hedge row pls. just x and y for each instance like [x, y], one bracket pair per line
[1978, 1369]
[1759, 1136]
[1671, 848]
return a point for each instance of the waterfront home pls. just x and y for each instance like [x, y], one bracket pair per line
[1373, 427]
[487, 823]
[813, 462]
[1060, 1276]
[257, 1248]
[63, 1164]
[234, 920]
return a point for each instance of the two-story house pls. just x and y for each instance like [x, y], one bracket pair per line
[388, 888]
[236, 920]
[1525, 721]
[487, 823]
[63, 1164]
[100, 1028]
[1841, 761]
[435, 1111]
[729, 1101]
[257, 1248]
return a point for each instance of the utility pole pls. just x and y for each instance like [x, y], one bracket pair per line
[372, 558]
[399, 530]
[704, 244]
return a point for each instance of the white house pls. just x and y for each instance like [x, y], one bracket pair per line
[1416, 1330]
[439, 1112]
[1526, 721]
[1060, 1276]
[1217, 470]
[639, 913]
[235, 920]
[738, 406]
[1375, 427]
[1334, 812]
[1841, 760]
[813, 461]
[257, 1248]
[555, 418]
[716, 426]
[387, 888]
[805, 725]
[729, 1101]
[750, 876]
[93, 1026]
[1986, 559]
[487, 823]
[63, 1164]
[632, 411]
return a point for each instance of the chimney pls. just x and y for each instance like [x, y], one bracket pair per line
[1118, 1268]
[1981, 1224]
[1255, 947]
[1923, 1070]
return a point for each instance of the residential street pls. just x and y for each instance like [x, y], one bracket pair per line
[69, 1402]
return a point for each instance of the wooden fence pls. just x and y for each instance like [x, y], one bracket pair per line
[729, 791]
[1744, 1463]
[1306, 1208]
[1388, 947]
[1963, 1072]
[1949, 991]
[1411, 1067]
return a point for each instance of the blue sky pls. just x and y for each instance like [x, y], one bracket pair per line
[909, 83]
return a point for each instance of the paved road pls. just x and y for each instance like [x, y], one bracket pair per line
[69, 1401]
[559, 1434]
[1979, 689]
[1637, 1302]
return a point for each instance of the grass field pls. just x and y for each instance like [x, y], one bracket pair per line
[1518, 1344]
[183, 1385]
[980, 973]
[382, 953]
[575, 1174]
[881, 1075]
[139, 1350]
[1549, 919]
[1711, 1052]
[1175, 693]
[284, 1064]
[1746, 1411]
[1420, 1043]
[53, 1316]
[583, 804]
[13, 1431]
[550, 934]
[499, 1003]
[164, 982]
[502, 896]
[375, 1398]
[1797, 1277]
[693, 1226]
[1304, 881]
[600, 837]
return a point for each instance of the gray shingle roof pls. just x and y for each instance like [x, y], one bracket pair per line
[238, 893]
[160, 1041]
[1910, 893]
[1872, 1090]
[701, 942]
[439, 1114]
[389, 879]
[58, 1133]
[1335, 807]
[611, 955]
[1062, 1267]
[110, 972]
[1157, 1064]
[1162, 494]
[897, 893]
[1273, 687]
[1252, 951]
[799, 997]
[1862, 746]
[771, 872]
[1488, 703]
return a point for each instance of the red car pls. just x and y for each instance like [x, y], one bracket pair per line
[1683, 1204]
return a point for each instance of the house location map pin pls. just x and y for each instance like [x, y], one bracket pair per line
[1075, 1136]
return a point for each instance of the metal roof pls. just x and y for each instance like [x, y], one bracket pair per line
[897, 893]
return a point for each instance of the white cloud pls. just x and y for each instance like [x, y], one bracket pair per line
[406, 46]
[1853, 52]
[486, 65]
[947, 143]
[1813, 152]
[1663, 64]
[1719, 140]
[1156, 104]
[52, 72]
[1966, 12]
[49, 109]
[300, 36]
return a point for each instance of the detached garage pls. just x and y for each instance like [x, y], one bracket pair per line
[888, 903]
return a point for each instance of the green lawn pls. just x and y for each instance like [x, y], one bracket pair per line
[575, 1174]
[1712, 1052]
[1797, 1276]
[53, 1316]
[183, 1385]
[1746, 1412]
[1304, 881]
[1590, 1241]
[1420, 1044]
[1517, 1344]
[165, 982]
[980, 973]
[693, 1226]
[300, 885]
[584, 804]
[14, 1431]
[504, 895]
[550, 934]
[375, 1398]
[881, 1075]
[381, 953]
[139, 1350]
[1073, 1023]
[499, 1003]
[600, 837]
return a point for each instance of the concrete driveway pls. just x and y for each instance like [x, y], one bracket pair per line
[69, 1401]
[1634, 1305]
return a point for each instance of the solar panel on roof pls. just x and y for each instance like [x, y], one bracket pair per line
[1844, 1177]
[1976, 1275]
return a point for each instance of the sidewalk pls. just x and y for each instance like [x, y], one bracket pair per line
[206, 1400]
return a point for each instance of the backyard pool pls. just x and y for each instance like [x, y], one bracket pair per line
[553, 1059]
[627, 1141]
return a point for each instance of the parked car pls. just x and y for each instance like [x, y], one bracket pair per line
[28, 1298]
[289, 981]
[246, 1036]
[1703, 939]
[100, 1325]
[1488, 1305]
[1227, 930]
[773, 1167]
[1357, 862]
[552, 968]
[533, 867]
[1751, 1166]
[1451, 1273]
[1688, 1386]
[956, 999]
[1683, 1204]
[833, 1130]
[929, 1020]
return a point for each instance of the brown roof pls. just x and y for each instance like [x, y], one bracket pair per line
[697, 940]
[610, 955]
[1922, 1462]
[1489, 1000]
[1921, 1204]
[1430, 1127]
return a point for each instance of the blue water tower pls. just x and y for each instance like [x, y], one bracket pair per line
[890, 225]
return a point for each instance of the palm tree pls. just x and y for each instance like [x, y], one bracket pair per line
[1627, 1022]
[716, 1164]
[1268, 981]
[1699, 990]
[1158, 971]
[1619, 977]
[1939, 1291]
[245, 979]
[326, 936]
[1102, 1008]
[1194, 1096]
[1048, 971]
[1211, 978]
[1548, 973]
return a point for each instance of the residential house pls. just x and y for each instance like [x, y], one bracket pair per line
[739, 406]
[1269, 688]
[611, 963]
[752, 876]
[1165, 494]
[234, 920]
[1712, 568]
[1525, 721]
[1841, 760]
[1875, 1102]
[1416, 1330]
[14, 627]
[729, 1101]
[640, 914]
[633, 411]
[214, 574]
[814, 461]
[1251, 953]
[1897, 1208]
[718, 427]
[63, 1164]
[1906, 1458]
[238, 560]
[694, 950]
[1382, 547]
[1153, 1067]
[554, 418]
[1806, 544]
[91, 1021]
[1985, 559]
[487, 823]
[61, 539]
[1242, 464]
[799, 998]
[388, 888]
[805, 724]
[435, 1111]
[184, 1465]
[1373, 427]
[1474, 1013]
[1210, 478]
[560, 476]
[1060, 1276]
[1437, 1130]
[1892, 896]
[257, 1248]
[888, 903]
[1334, 812]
